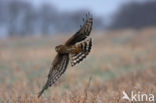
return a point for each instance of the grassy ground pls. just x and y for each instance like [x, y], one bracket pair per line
[120, 61]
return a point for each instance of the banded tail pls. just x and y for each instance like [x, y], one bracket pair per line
[83, 49]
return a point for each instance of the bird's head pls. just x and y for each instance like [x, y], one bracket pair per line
[58, 48]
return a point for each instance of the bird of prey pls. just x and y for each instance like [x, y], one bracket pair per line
[74, 50]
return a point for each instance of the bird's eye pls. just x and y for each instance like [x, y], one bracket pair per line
[57, 49]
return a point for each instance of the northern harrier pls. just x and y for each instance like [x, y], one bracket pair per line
[74, 50]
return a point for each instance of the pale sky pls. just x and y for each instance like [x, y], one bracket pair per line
[103, 8]
[99, 7]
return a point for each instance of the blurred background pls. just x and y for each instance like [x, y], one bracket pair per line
[123, 57]
[47, 17]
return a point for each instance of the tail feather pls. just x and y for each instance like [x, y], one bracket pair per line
[85, 48]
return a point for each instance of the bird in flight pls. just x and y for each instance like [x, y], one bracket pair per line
[74, 50]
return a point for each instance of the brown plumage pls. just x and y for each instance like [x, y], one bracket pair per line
[74, 50]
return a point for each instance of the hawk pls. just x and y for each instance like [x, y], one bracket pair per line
[73, 50]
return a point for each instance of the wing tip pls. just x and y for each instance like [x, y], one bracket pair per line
[41, 92]
[88, 18]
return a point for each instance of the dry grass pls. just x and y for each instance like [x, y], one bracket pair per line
[120, 61]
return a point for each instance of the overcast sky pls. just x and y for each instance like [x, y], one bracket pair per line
[99, 7]
[103, 8]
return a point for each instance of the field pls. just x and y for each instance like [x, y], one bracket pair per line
[120, 61]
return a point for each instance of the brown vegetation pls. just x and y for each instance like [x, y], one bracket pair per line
[120, 61]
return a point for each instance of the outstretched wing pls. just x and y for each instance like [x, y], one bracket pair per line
[82, 34]
[84, 49]
[57, 68]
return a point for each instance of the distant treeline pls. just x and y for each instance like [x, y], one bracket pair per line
[19, 17]
[135, 15]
